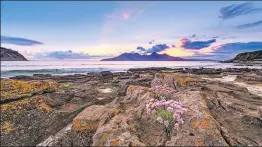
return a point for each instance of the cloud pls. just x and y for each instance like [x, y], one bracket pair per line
[235, 10]
[19, 41]
[151, 42]
[141, 49]
[63, 55]
[250, 25]
[195, 45]
[116, 21]
[155, 48]
[239, 47]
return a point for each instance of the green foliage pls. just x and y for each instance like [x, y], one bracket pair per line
[165, 115]
[159, 96]
[249, 56]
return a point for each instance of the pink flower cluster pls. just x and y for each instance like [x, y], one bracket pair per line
[162, 89]
[163, 109]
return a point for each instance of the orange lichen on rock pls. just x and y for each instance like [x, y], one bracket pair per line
[204, 124]
[131, 89]
[45, 107]
[115, 142]
[182, 80]
[18, 105]
[14, 89]
[116, 111]
[6, 127]
[195, 123]
[199, 143]
[88, 119]
[81, 125]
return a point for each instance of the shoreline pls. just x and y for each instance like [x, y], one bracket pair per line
[77, 109]
[182, 69]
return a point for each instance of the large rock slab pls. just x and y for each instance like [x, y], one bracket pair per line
[200, 128]
[89, 119]
[29, 121]
[15, 89]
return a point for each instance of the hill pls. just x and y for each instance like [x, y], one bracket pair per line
[11, 55]
[249, 56]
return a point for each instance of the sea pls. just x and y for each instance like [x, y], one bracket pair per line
[64, 67]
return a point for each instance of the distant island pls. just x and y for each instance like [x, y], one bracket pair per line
[11, 55]
[152, 57]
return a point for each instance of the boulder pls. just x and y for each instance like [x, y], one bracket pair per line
[90, 118]
[58, 98]
[106, 75]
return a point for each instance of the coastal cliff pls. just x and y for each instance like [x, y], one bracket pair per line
[11, 55]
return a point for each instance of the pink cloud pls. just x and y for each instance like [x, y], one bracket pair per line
[125, 15]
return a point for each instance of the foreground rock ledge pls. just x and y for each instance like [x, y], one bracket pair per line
[85, 112]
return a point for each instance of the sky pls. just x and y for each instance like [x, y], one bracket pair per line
[98, 29]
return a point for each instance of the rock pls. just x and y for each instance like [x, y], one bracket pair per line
[116, 133]
[260, 112]
[58, 99]
[140, 81]
[135, 76]
[163, 79]
[200, 128]
[119, 129]
[89, 119]
[220, 113]
[106, 74]
[148, 70]
[28, 121]
[53, 140]
[174, 80]
[15, 89]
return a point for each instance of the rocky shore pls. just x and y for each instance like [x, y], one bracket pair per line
[109, 109]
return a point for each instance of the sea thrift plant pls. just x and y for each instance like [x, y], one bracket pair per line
[167, 113]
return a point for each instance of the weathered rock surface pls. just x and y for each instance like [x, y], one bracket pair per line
[108, 109]
[29, 121]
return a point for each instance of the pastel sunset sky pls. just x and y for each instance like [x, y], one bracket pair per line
[86, 29]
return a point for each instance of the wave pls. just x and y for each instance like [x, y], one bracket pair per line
[11, 73]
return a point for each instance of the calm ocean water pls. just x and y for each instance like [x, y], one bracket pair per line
[14, 68]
